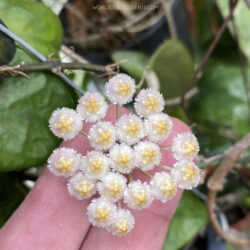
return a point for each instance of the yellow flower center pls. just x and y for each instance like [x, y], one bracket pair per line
[190, 148]
[84, 188]
[140, 198]
[132, 129]
[102, 214]
[160, 127]
[92, 105]
[104, 137]
[122, 226]
[151, 103]
[168, 188]
[64, 164]
[96, 165]
[148, 154]
[64, 124]
[123, 159]
[123, 89]
[189, 173]
[114, 188]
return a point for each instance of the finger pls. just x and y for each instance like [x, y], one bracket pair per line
[150, 224]
[50, 218]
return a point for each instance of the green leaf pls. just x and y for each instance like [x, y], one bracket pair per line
[220, 109]
[189, 219]
[12, 194]
[25, 107]
[35, 23]
[7, 48]
[174, 66]
[242, 20]
[135, 64]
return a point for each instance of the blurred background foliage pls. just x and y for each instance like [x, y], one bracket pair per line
[219, 109]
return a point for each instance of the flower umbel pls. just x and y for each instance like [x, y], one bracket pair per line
[131, 144]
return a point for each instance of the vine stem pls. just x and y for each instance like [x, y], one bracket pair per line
[216, 183]
[39, 56]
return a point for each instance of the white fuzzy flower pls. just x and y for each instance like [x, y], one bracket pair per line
[120, 89]
[130, 129]
[147, 155]
[92, 107]
[95, 165]
[149, 102]
[65, 123]
[101, 212]
[112, 186]
[122, 158]
[185, 146]
[122, 223]
[81, 187]
[186, 173]
[163, 186]
[64, 162]
[102, 135]
[138, 195]
[158, 127]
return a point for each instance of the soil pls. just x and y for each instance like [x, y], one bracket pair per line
[95, 26]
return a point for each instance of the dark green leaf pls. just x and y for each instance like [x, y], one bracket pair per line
[190, 218]
[12, 193]
[7, 48]
[220, 110]
[25, 107]
[242, 20]
[135, 64]
[174, 66]
[35, 23]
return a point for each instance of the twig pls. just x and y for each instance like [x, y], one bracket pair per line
[208, 53]
[57, 66]
[216, 184]
[70, 53]
[13, 71]
[37, 55]
[167, 7]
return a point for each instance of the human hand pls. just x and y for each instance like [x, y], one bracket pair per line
[50, 219]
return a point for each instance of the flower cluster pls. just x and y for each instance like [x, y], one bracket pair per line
[118, 149]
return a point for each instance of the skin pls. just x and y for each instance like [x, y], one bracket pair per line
[49, 218]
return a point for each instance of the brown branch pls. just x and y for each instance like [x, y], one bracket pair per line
[208, 53]
[13, 71]
[216, 184]
[57, 67]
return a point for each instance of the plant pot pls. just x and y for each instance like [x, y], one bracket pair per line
[149, 39]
